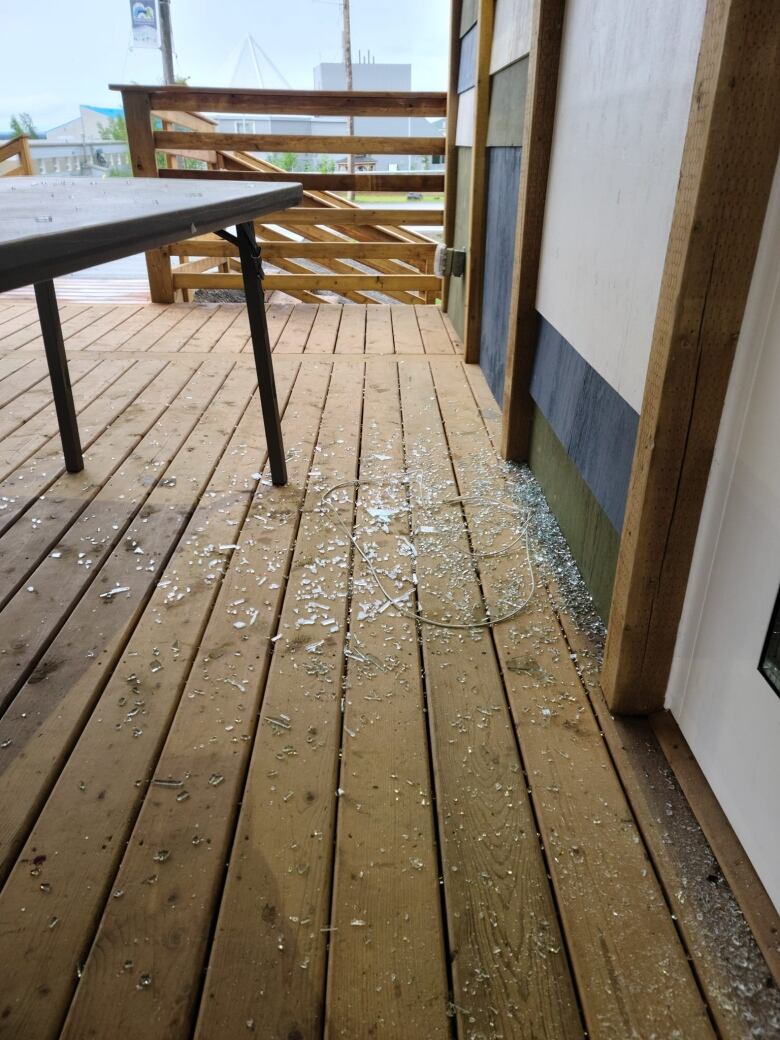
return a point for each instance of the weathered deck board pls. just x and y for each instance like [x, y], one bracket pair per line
[391, 970]
[324, 331]
[72, 682]
[109, 759]
[18, 446]
[406, 331]
[175, 861]
[208, 744]
[436, 339]
[67, 498]
[510, 974]
[22, 484]
[621, 938]
[296, 331]
[276, 957]
[34, 613]
[352, 330]
[379, 331]
[19, 374]
[20, 410]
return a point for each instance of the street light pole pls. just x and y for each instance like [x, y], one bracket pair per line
[166, 41]
[347, 43]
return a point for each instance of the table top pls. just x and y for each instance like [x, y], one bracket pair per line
[54, 226]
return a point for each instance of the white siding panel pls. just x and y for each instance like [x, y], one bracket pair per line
[511, 33]
[624, 93]
[464, 132]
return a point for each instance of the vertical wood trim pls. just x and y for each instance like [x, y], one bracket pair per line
[543, 62]
[25, 156]
[729, 158]
[140, 140]
[451, 151]
[475, 255]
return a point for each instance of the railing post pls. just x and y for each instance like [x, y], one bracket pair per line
[140, 140]
[25, 158]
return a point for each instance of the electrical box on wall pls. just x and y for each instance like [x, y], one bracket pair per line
[449, 262]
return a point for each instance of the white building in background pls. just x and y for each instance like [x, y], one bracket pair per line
[86, 126]
[76, 148]
[80, 159]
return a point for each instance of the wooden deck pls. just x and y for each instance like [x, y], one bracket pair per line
[241, 793]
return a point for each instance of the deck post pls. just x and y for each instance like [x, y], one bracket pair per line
[140, 140]
[729, 159]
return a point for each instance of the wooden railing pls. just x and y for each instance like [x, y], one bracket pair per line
[327, 244]
[15, 159]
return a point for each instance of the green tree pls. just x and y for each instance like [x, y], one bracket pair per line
[284, 159]
[23, 124]
[326, 164]
[114, 130]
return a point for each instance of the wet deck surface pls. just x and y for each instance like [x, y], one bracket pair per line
[245, 791]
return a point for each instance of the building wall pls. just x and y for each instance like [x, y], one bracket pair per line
[330, 75]
[86, 126]
[508, 79]
[68, 158]
[624, 93]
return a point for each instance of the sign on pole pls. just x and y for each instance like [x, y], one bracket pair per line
[146, 26]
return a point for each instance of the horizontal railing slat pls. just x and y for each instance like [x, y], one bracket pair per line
[335, 217]
[312, 282]
[362, 182]
[308, 143]
[314, 250]
[292, 102]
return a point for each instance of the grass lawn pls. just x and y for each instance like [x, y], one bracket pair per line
[369, 197]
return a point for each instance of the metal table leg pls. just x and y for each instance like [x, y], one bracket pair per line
[252, 272]
[51, 330]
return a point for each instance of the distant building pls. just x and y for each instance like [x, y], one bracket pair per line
[86, 126]
[366, 75]
[360, 164]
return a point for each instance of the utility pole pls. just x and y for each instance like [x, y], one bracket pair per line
[347, 43]
[166, 41]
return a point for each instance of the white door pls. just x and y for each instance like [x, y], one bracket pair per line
[727, 709]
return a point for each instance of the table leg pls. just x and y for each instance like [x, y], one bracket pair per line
[51, 330]
[255, 305]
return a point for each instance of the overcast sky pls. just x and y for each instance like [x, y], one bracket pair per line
[57, 55]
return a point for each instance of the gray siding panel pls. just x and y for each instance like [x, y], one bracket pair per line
[594, 424]
[467, 69]
[502, 195]
[468, 16]
[507, 105]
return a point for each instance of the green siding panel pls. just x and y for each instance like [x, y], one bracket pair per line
[507, 105]
[592, 538]
[468, 16]
[456, 302]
